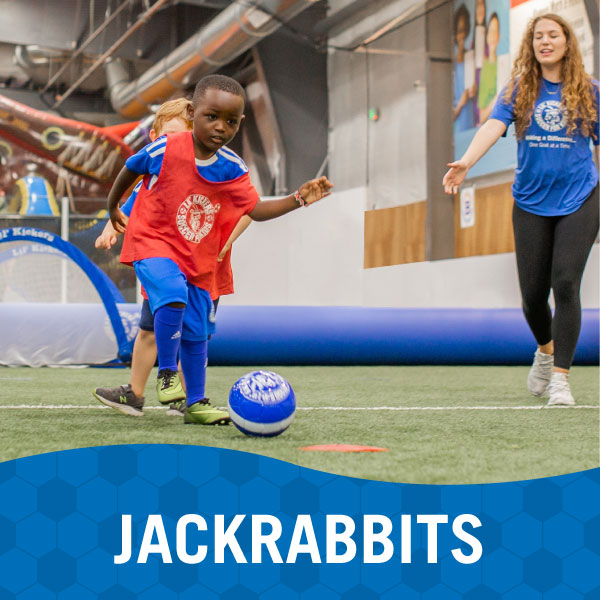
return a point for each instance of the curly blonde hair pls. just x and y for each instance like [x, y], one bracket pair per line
[577, 99]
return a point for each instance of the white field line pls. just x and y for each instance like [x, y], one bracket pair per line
[307, 408]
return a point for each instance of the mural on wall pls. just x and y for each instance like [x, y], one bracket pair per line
[45, 154]
[481, 69]
[487, 35]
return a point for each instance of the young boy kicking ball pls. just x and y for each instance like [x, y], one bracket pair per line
[177, 227]
[171, 117]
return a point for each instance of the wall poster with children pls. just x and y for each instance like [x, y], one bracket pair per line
[486, 35]
[481, 69]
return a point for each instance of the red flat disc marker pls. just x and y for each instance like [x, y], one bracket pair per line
[343, 448]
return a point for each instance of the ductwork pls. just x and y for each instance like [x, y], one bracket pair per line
[233, 31]
[33, 56]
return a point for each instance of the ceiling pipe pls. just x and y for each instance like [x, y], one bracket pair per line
[233, 31]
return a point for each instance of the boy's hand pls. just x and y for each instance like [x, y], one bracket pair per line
[106, 240]
[223, 252]
[118, 219]
[315, 189]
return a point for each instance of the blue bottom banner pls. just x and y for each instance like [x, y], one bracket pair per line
[182, 522]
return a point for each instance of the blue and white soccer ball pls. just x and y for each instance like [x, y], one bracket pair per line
[262, 403]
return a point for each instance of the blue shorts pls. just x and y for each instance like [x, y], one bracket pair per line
[165, 283]
[146, 317]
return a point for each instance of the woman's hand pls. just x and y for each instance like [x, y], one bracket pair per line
[455, 176]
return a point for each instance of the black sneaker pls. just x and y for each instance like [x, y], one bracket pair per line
[122, 399]
[176, 409]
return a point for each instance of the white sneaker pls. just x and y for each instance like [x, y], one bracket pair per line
[540, 372]
[560, 391]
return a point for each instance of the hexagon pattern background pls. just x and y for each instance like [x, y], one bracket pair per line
[60, 529]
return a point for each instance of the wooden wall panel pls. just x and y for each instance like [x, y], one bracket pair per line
[492, 232]
[395, 236]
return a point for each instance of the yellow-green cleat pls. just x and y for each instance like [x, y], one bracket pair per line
[202, 413]
[168, 387]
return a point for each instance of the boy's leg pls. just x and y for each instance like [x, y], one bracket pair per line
[129, 399]
[198, 325]
[144, 351]
[166, 286]
[193, 362]
[178, 408]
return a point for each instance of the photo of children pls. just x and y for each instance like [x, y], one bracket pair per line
[481, 64]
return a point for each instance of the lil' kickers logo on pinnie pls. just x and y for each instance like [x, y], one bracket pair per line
[195, 217]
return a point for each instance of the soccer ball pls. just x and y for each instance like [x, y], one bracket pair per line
[262, 403]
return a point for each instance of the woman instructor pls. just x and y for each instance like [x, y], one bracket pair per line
[553, 103]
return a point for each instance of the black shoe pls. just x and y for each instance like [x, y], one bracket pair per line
[122, 399]
[176, 409]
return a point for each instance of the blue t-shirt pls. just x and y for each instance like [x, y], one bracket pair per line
[555, 172]
[128, 206]
[224, 165]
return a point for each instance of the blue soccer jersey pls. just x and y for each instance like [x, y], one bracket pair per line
[128, 206]
[224, 165]
[555, 171]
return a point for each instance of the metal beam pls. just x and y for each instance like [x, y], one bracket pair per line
[439, 226]
[141, 20]
[592, 7]
[230, 33]
[218, 4]
[85, 44]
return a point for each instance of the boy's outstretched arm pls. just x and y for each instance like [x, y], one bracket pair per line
[125, 179]
[309, 192]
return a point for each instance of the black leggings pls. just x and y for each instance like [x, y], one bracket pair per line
[551, 253]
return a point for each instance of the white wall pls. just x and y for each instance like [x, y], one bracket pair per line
[387, 156]
[314, 257]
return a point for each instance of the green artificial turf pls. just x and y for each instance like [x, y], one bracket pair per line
[452, 444]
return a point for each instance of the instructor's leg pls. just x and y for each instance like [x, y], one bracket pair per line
[534, 239]
[574, 236]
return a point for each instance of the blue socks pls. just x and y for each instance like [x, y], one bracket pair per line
[167, 329]
[168, 324]
[193, 365]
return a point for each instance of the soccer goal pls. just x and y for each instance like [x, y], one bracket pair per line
[56, 306]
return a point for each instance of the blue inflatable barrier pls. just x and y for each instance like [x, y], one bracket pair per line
[304, 335]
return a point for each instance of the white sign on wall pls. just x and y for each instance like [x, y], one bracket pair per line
[573, 11]
[467, 207]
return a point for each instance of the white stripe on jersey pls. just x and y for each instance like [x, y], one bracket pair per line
[160, 150]
[161, 140]
[233, 157]
[152, 181]
[138, 185]
[229, 151]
